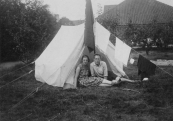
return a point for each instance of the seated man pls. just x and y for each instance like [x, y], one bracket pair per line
[98, 68]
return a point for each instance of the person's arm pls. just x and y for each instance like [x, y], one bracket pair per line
[92, 70]
[77, 74]
[105, 71]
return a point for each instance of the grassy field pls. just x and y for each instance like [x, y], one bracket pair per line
[147, 101]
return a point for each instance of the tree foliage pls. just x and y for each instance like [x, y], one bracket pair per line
[108, 21]
[26, 29]
[160, 33]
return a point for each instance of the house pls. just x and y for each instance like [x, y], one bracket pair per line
[138, 13]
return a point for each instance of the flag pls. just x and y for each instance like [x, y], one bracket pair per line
[89, 38]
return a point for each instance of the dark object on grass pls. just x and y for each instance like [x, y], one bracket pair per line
[145, 67]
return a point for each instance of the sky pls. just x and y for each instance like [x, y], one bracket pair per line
[75, 9]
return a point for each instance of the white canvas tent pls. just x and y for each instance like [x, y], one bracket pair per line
[56, 65]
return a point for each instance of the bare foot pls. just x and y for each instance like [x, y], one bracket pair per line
[116, 81]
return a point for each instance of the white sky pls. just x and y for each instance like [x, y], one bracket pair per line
[75, 9]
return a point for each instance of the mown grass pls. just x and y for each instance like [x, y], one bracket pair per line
[147, 101]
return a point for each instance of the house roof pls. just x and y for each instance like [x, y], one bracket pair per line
[108, 7]
[139, 12]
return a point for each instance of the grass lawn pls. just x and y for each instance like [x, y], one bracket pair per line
[147, 101]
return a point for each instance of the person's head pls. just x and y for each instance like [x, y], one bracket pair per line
[97, 59]
[85, 60]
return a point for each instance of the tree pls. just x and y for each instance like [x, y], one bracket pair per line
[26, 29]
[99, 9]
[66, 21]
[109, 21]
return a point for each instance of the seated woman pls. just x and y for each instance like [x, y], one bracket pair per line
[83, 72]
